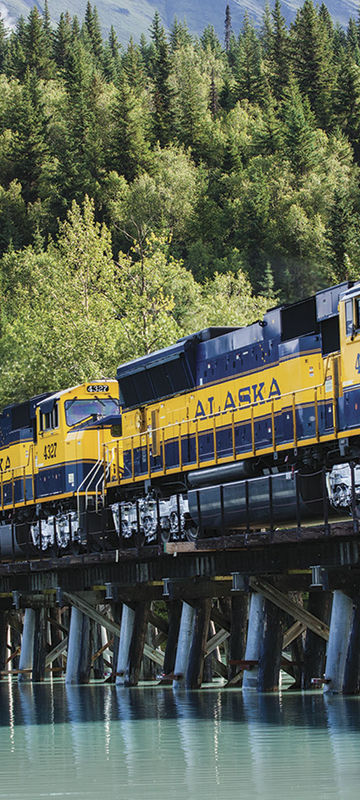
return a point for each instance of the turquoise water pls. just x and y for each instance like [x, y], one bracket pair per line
[99, 741]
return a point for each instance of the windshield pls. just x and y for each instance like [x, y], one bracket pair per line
[78, 410]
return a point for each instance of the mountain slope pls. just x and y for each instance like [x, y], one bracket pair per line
[133, 17]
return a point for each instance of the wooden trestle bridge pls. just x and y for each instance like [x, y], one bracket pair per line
[241, 606]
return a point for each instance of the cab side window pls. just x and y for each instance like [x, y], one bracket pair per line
[349, 318]
[50, 419]
[357, 313]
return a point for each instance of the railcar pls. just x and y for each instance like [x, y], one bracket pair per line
[228, 428]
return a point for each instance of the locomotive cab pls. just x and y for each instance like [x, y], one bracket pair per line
[349, 314]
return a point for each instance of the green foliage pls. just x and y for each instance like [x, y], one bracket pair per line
[226, 176]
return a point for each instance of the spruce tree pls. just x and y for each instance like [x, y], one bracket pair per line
[179, 35]
[297, 131]
[279, 54]
[133, 66]
[312, 61]
[347, 101]
[62, 40]
[162, 93]
[352, 39]
[248, 69]
[227, 28]
[36, 46]
[213, 98]
[16, 60]
[29, 147]
[130, 147]
[266, 29]
[111, 57]
[338, 233]
[3, 45]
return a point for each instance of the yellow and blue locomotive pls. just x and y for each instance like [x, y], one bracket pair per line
[51, 464]
[227, 428]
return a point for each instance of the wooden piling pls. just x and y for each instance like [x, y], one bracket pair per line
[126, 633]
[270, 650]
[56, 636]
[340, 624]
[98, 663]
[352, 667]
[116, 610]
[174, 616]
[85, 661]
[27, 645]
[195, 667]
[254, 639]
[137, 643]
[184, 644]
[315, 647]
[3, 640]
[40, 645]
[239, 622]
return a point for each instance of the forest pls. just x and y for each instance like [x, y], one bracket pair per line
[152, 190]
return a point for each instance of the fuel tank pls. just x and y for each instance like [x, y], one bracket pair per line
[256, 502]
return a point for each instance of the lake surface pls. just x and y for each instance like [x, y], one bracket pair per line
[99, 741]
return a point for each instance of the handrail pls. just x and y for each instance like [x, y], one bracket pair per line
[294, 395]
[87, 478]
[102, 480]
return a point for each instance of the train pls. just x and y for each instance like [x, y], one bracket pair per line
[223, 430]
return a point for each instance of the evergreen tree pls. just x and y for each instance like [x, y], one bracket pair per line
[227, 28]
[210, 41]
[111, 57]
[179, 35]
[62, 40]
[133, 66]
[130, 148]
[352, 38]
[29, 148]
[312, 61]
[347, 101]
[267, 29]
[36, 46]
[75, 28]
[47, 28]
[16, 51]
[213, 99]
[297, 131]
[249, 75]
[279, 53]
[162, 93]
[3, 45]
[339, 230]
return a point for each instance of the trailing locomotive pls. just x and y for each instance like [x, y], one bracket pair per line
[227, 428]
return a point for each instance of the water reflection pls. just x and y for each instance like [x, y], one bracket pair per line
[91, 741]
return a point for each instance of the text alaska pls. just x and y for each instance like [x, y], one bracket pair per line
[244, 396]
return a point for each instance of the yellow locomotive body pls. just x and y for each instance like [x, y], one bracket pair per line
[51, 453]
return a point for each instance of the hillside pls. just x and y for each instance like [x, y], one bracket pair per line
[133, 17]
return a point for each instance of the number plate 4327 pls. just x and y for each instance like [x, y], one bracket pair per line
[50, 450]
